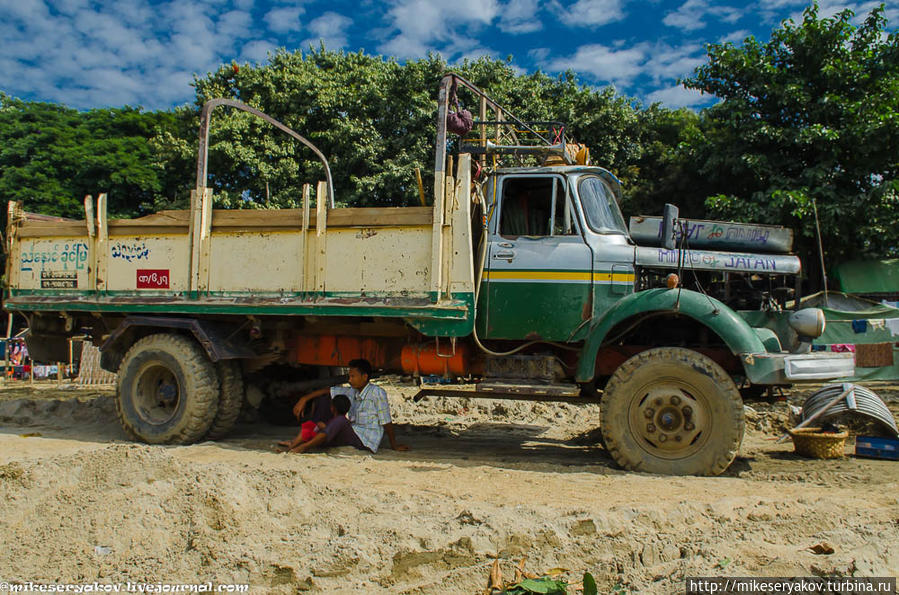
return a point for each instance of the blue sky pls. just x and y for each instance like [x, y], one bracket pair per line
[97, 53]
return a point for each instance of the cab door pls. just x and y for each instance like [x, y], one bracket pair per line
[537, 277]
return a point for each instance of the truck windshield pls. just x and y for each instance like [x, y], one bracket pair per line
[600, 209]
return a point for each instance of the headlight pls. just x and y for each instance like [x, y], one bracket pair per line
[808, 322]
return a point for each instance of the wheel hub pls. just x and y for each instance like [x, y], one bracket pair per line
[666, 421]
[167, 392]
[157, 394]
[670, 419]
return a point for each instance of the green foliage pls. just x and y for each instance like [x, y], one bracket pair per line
[51, 156]
[549, 586]
[665, 169]
[544, 586]
[589, 584]
[812, 115]
[371, 117]
[375, 121]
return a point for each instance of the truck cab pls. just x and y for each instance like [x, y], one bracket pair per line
[558, 254]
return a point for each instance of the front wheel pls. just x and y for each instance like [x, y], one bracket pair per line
[672, 411]
[167, 390]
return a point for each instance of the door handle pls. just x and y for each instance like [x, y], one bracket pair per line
[504, 255]
[506, 245]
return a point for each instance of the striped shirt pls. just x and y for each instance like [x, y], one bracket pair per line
[369, 411]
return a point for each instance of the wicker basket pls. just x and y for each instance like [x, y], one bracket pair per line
[812, 442]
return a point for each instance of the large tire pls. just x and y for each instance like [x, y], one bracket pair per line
[167, 390]
[230, 399]
[672, 411]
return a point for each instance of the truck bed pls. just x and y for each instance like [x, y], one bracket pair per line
[409, 262]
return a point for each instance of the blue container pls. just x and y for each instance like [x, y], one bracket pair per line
[878, 448]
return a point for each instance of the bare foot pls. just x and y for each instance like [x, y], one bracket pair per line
[287, 443]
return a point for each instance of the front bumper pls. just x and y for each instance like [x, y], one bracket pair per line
[791, 368]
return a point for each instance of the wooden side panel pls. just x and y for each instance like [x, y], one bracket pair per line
[37, 229]
[147, 263]
[378, 261]
[55, 263]
[378, 252]
[343, 217]
[256, 261]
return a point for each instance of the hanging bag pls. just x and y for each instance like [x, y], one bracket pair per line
[459, 121]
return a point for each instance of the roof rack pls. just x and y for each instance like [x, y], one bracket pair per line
[504, 135]
[522, 141]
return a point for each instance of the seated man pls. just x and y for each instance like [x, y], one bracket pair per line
[368, 418]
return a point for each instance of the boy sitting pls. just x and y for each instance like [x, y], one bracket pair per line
[337, 432]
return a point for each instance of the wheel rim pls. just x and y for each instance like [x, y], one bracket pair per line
[669, 418]
[157, 394]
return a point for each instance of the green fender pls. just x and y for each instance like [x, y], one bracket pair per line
[727, 324]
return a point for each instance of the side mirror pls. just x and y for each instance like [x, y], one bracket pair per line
[669, 218]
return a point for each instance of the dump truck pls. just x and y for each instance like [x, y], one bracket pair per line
[521, 280]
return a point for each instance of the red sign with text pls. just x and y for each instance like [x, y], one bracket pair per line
[152, 278]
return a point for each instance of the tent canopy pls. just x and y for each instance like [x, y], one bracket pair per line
[868, 276]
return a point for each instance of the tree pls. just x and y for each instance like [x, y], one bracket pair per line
[670, 144]
[811, 116]
[371, 117]
[51, 156]
[375, 120]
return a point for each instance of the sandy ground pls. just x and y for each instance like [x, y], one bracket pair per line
[80, 503]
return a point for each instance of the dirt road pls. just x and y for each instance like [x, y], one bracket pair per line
[80, 503]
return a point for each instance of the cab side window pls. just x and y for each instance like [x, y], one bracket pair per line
[535, 207]
[563, 218]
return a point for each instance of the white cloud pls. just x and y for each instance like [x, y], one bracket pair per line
[520, 16]
[774, 10]
[668, 62]
[284, 19]
[778, 4]
[257, 51]
[692, 15]
[234, 23]
[403, 46]
[469, 49]
[539, 55]
[623, 65]
[518, 70]
[828, 8]
[735, 37]
[419, 26]
[604, 63]
[591, 13]
[114, 52]
[330, 29]
[677, 97]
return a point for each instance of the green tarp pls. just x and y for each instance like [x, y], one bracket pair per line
[868, 276]
[878, 323]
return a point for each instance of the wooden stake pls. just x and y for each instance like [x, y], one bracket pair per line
[421, 187]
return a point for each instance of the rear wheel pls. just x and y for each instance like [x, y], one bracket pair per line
[672, 411]
[231, 399]
[167, 390]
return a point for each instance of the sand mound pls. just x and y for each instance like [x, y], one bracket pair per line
[430, 520]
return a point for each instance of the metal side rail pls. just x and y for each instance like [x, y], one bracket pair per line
[560, 393]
